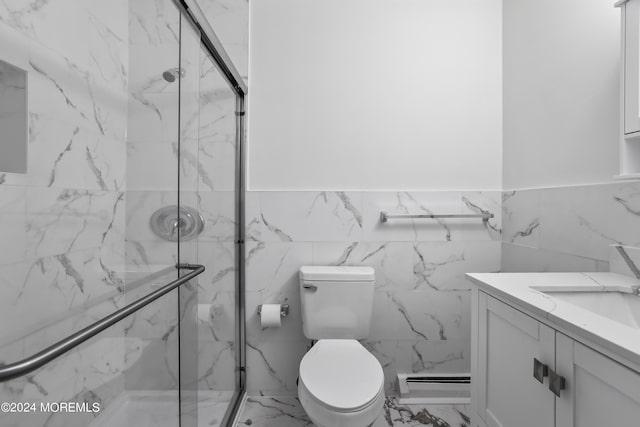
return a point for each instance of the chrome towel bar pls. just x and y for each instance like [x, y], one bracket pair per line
[384, 216]
[31, 363]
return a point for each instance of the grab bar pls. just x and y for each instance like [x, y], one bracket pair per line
[31, 363]
[384, 217]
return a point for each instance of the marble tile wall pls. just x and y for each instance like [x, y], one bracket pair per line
[421, 308]
[62, 223]
[569, 228]
[421, 300]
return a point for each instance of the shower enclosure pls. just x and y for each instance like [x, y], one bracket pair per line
[121, 242]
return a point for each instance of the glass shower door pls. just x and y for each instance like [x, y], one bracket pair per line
[130, 143]
[78, 245]
[209, 358]
[152, 191]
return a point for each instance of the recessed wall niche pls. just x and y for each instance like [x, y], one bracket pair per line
[13, 119]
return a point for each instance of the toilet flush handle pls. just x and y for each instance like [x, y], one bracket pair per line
[309, 287]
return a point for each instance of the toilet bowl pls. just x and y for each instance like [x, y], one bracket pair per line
[341, 384]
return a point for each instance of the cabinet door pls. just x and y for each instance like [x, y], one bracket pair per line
[508, 341]
[631, 40]
[599, 391]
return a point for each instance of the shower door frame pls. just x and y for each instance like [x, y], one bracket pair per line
[211, 43]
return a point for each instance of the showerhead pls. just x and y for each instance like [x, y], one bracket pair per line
[172, 74]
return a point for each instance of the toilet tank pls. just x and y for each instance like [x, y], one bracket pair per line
[337, 302]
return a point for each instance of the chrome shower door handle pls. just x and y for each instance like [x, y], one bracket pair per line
[311, 288]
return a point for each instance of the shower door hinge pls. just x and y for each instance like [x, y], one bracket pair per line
[240, 113]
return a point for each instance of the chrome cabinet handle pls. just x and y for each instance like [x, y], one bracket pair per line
[540, 370]
[556, 383]
[311, 288]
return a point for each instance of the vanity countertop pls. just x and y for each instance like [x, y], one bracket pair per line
[519, 290]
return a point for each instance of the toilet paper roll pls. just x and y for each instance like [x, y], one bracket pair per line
[205, 314]
[270, 316]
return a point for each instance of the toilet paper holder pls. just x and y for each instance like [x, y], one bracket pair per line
[284, 310]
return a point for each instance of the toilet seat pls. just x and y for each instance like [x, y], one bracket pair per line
[341, 375]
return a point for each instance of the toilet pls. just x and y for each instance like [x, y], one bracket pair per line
[340, 383]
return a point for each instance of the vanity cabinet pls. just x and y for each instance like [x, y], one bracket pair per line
[509, 342]
[599, 391]
[527, 374]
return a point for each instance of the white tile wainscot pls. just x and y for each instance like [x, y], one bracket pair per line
[422, 297]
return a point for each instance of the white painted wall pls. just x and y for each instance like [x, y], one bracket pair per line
[561, 83]
[375, 94]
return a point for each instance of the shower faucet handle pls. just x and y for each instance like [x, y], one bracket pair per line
[178, 223]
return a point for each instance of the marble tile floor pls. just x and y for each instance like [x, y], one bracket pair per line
[287, 412]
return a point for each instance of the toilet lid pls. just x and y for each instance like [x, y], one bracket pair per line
[341, 374]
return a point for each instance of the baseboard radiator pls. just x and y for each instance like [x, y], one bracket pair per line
[433, 388]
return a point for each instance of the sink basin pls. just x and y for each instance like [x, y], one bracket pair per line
[622, 307]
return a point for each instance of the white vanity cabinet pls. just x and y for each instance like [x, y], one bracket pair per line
[510, 349]
[508, 344]
[599, 391]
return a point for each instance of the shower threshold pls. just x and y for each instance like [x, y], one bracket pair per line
[160, 409]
